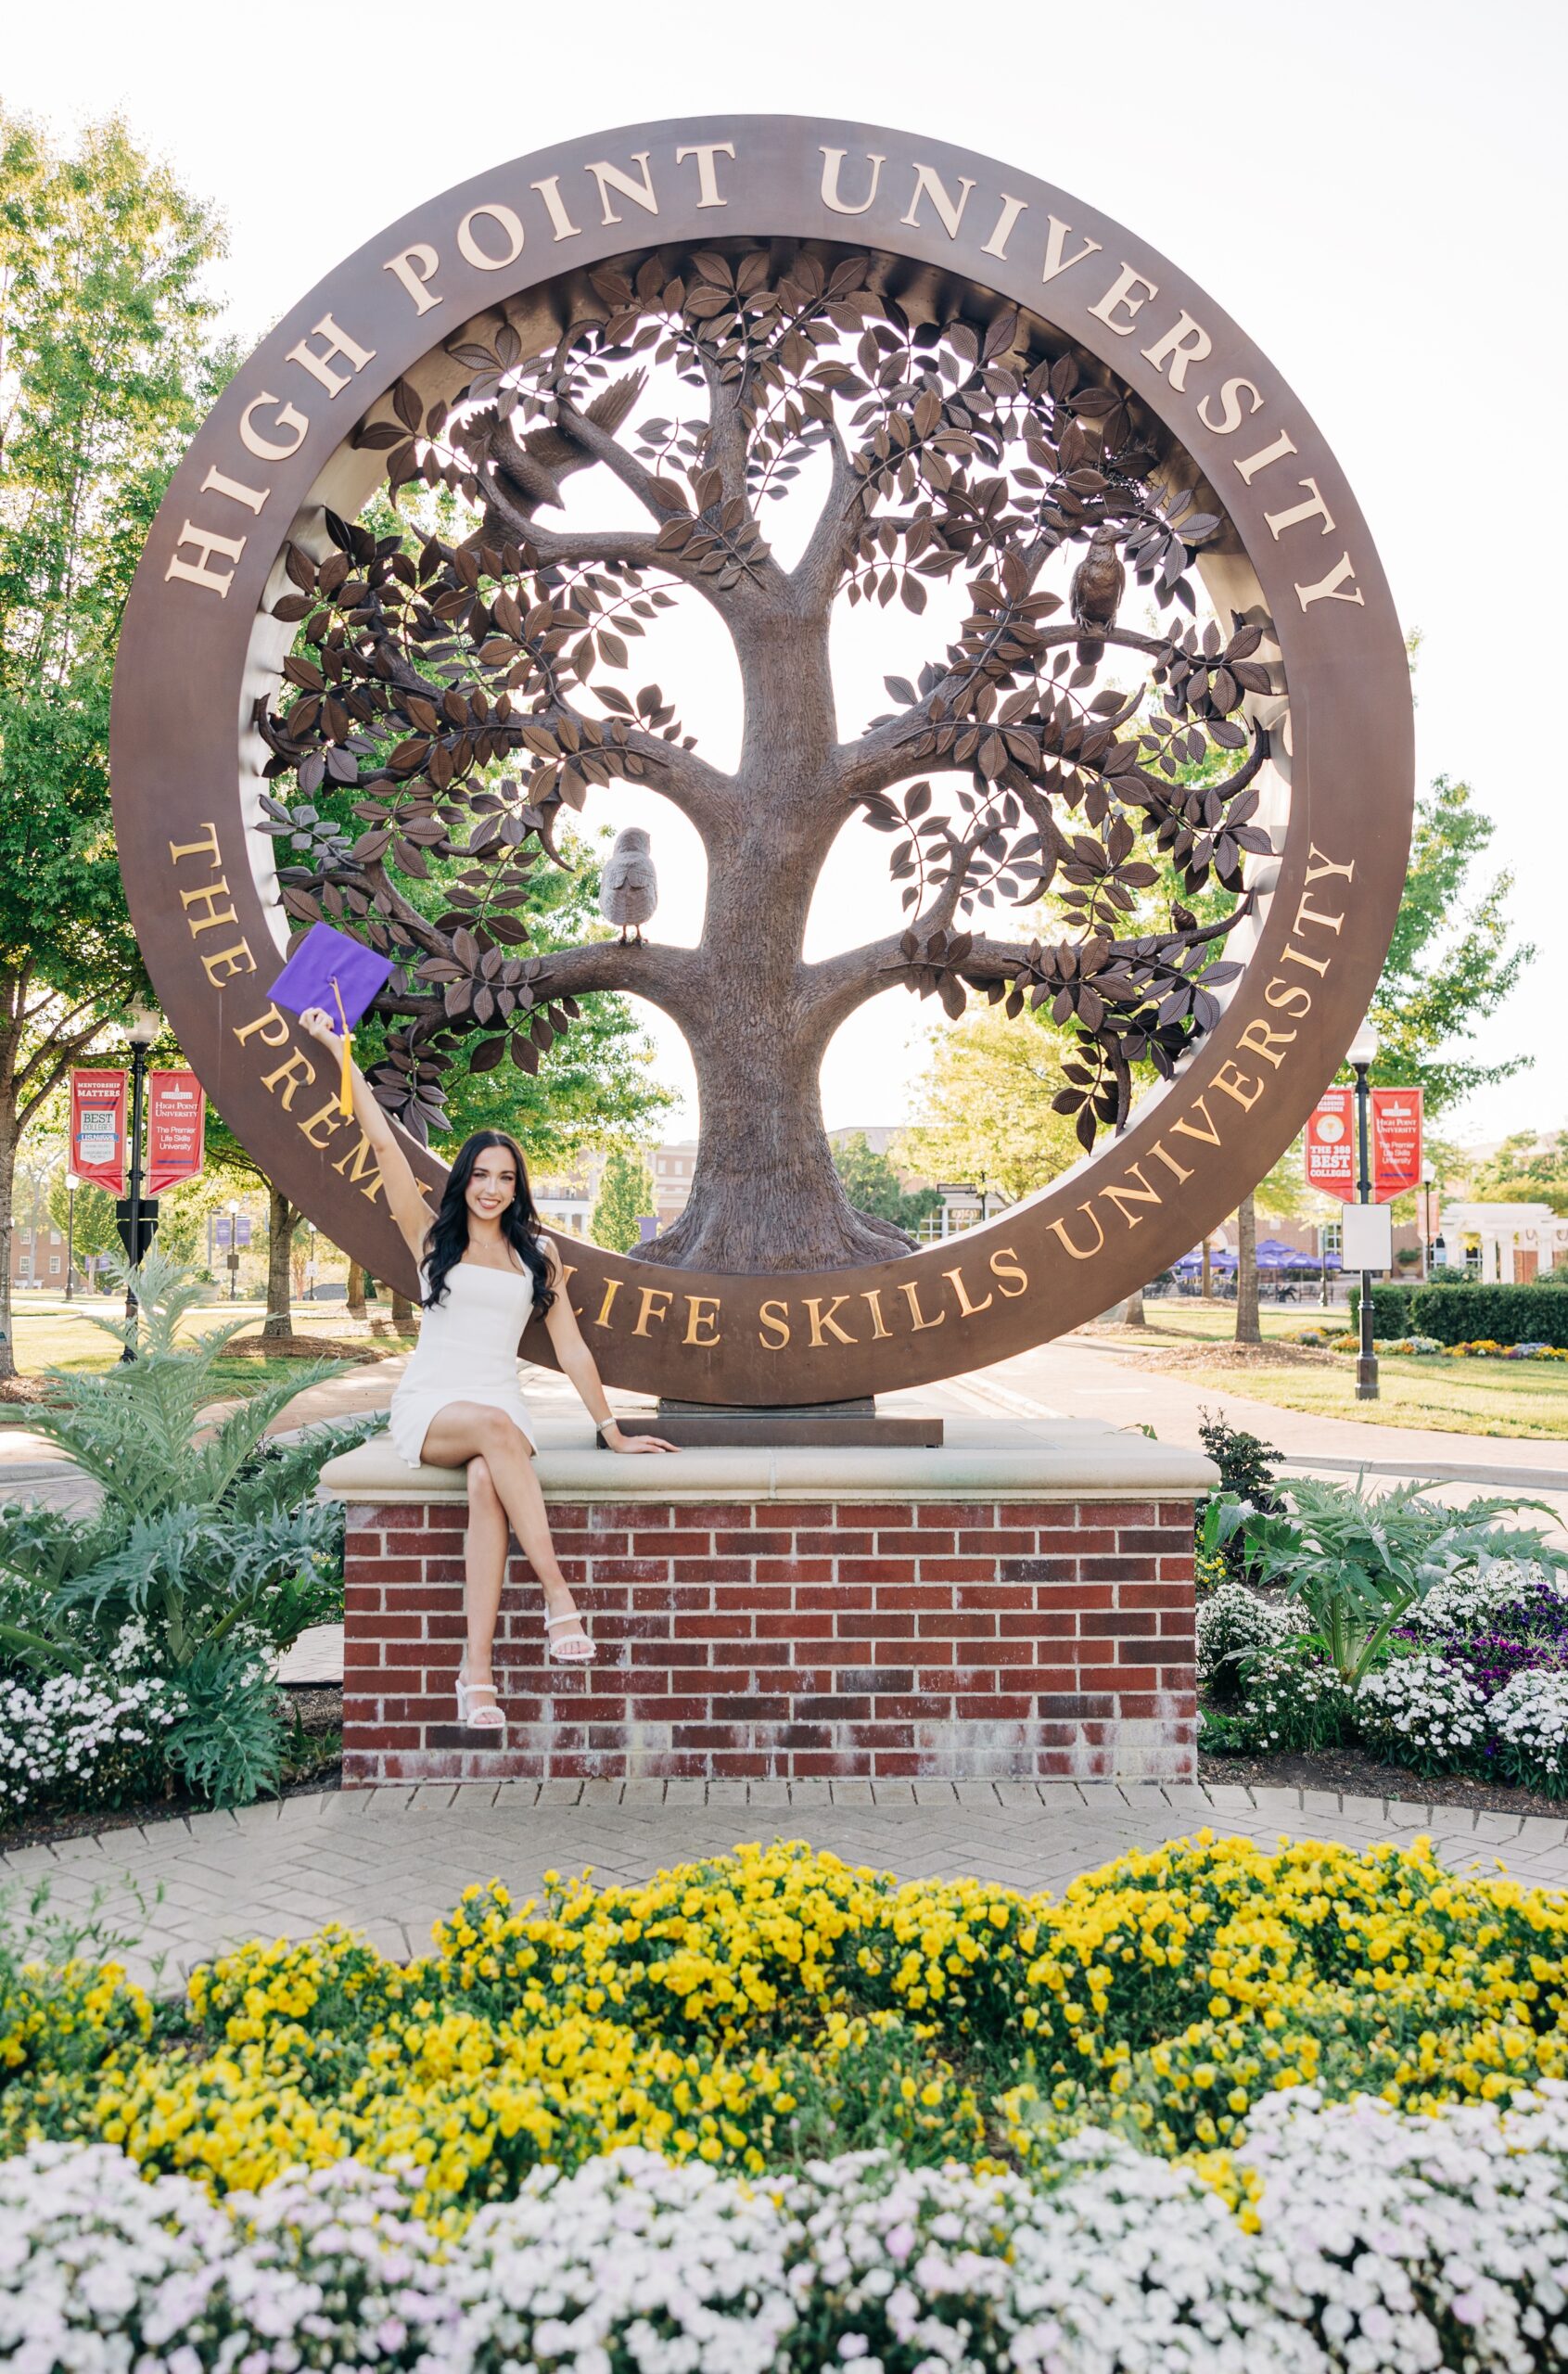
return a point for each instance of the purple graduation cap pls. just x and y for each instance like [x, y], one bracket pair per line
[342, 976]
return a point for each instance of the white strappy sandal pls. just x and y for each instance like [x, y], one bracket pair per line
[568, 1653]
[482, 1717]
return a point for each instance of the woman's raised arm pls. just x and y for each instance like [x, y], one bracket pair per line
[404, 1200]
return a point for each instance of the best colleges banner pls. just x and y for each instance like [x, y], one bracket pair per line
[1331, 1144]
[97, 1129]
[1395, 1123]
[176, 1130]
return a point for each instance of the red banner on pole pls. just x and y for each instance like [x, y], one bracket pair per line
[97, 1129]
[1396, 1143]
[176, 1130]
[1331, 1144]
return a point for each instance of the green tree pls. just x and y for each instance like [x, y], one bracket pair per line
[626, 1195]
[105, 370]
[873, 1185]
[988, 1115]
[1528, 1169]
[90, 1229]
[1450, 964]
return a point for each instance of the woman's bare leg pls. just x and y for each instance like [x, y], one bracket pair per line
[484, 1557]
[464, 1430]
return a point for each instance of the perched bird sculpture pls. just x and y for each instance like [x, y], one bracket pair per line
[1096, 591]
[629, 885]
[530, 469]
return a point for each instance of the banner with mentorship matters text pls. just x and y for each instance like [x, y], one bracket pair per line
[97, 1129]
[1331, 1144]
[176, 1130]
[1396, 1143]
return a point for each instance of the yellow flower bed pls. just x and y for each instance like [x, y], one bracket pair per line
[777, 2003]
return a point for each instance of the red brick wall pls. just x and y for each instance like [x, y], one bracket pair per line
[763, 1642]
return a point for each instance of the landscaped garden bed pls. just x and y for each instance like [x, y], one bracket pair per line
[1336, 1622]
[138, 1643]
[1213, 2108]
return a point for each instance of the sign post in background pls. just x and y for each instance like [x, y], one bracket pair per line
[97, 1129]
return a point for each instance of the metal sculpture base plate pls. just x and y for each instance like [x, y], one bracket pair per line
[853, 1426]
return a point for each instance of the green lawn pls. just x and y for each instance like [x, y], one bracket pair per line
[50, 1333]
[1522, 1398]
[1195, 1321]
[1501, 1398]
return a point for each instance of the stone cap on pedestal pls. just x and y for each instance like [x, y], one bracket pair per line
[983, 1459]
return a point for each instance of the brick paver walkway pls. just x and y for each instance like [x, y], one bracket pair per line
[389, 1861]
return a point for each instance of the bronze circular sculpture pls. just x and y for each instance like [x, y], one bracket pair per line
[988, 379]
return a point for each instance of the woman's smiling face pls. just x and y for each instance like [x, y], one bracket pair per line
[492, 1184]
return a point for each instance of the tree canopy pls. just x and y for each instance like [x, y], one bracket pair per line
[1452, 960]
[873, 1185]
[626, 1197]
[987, 1114]
[106, 366]
[1527, 1169]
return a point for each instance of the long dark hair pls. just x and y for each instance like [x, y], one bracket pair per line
[448, 1240]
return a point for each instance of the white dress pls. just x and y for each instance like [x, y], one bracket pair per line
[467, 1351]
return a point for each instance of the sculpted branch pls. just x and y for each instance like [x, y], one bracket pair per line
[452, 695]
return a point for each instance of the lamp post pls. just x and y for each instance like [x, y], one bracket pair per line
[1428, 1180]
[72, 1184]
[234, 1248]
[1362, 1056]
[145, 1025]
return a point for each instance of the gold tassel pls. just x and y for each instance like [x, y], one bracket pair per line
[345, 1085]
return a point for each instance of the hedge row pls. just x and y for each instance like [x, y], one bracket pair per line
[1391, 1308]
[1478, 1314]
[1469, 1313]
[1536, 1314]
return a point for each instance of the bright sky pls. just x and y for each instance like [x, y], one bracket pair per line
[1374, 188]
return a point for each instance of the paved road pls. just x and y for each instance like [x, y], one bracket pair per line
[389, 1861]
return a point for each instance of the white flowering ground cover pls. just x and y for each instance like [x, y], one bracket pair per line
[1337, 2239]
[1475, 1679]
[60, 1733]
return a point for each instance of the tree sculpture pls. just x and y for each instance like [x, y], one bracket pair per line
[940, 441]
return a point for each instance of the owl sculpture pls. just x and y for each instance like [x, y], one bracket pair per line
[1098, 584]
[629, 885]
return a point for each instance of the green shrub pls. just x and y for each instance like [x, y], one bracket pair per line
[209, 1551]
[1534, 1314]
[1391, 1308]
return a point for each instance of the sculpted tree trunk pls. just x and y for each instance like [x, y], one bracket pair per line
[941, 438]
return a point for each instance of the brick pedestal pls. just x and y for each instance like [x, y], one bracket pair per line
[1018, 1604]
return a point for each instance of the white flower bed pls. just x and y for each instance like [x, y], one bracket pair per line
[1467, 1600]
[1230, 1621]
[1291, 1699]
[1377, 2242]
[1423, 1710]
[1530, 1718]
[59, 1731]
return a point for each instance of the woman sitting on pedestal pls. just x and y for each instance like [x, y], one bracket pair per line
[484, 1269]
